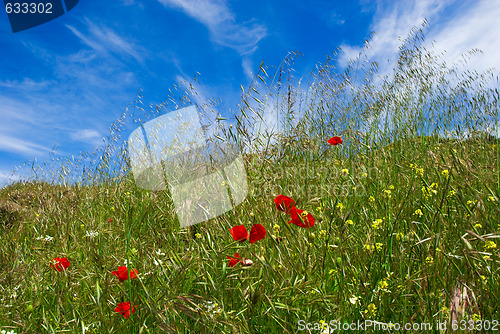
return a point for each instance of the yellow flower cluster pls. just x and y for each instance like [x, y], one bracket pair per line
[418, 171]
[429, 191]
[276, 228]
[371, 310]
[387, 193]
[490, 245]
[368, 247]
[383, 284]
[376, 224]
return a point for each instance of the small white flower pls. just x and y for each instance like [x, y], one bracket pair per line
[157, 262]
[91, 234]
[46, 238]
[159, 252]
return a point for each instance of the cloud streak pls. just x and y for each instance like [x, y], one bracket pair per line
[221, 23]
[19, 146]
[104, 40]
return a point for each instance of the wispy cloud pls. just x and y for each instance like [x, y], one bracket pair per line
[476, 27]
[19, 146]
[26, 84]
[89, 136]
[104, 40]
[455, 27]
[221, 23]
[246, 63]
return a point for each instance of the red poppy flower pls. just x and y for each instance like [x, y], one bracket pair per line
[59, 263]
[233, 260]
[239, 233]
[284, 203]
[257, 232]
[121, 273]
[301, 218]
[124, 309]
[335, 140]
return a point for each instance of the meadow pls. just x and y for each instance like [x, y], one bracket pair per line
[400, 223]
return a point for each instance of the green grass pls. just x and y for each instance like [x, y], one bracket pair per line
[408, 267]
[404, 233]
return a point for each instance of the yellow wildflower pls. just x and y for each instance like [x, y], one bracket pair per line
[490, 245]
[371, 310]
[376, 224]
[418, 212]
[383, 284]
[387, 193]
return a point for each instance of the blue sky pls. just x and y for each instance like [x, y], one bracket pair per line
[63, 83]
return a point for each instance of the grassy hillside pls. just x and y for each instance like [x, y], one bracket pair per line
[403, 234]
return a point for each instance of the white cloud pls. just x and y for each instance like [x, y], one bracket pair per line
[104, 40]
[454, 26]
[478, 27]
[87, 136]
[221, 23]
[20, 146]
[26, 84]
[246, 63]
